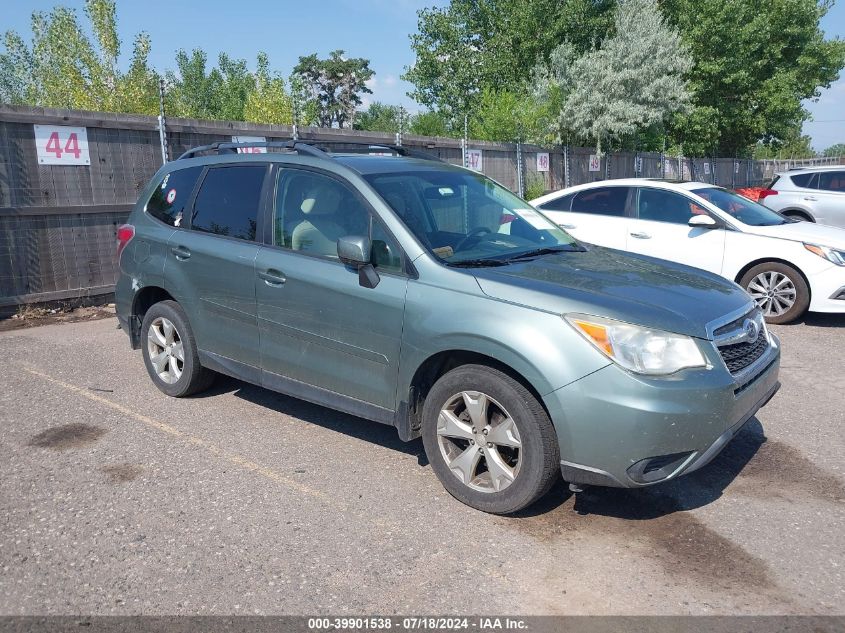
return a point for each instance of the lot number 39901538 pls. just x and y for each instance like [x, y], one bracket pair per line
[61, 145]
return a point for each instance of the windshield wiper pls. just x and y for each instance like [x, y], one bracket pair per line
[477, 263]
[549, 250]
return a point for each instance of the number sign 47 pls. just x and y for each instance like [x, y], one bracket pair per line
[62, 145]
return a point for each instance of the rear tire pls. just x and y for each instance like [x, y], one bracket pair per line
[510, 460]
[798, 215]
[779, 290]
[170, 351]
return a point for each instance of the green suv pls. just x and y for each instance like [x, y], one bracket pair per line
[414, 293]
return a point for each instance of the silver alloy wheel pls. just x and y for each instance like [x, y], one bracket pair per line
[164, 345]
[479, 441]
[773, 291]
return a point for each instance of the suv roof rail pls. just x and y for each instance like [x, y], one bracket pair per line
[310, 148]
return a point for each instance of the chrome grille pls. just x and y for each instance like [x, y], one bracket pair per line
[742, 341]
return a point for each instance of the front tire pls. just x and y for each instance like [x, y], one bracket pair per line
[170, 351]
[489, 441]
[779, 290]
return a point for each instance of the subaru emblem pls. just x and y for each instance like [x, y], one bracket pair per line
[751, 329]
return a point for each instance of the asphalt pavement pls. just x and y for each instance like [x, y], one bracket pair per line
[115, 499]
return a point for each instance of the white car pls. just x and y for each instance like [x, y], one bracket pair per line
[787, 266]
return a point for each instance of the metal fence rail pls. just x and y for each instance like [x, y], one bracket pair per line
[58, 222]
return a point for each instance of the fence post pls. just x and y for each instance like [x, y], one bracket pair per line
[607, 166]
[520, 176]
[162, 134]
[565, 166]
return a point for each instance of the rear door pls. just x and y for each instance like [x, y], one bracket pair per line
[830, 204]
[598, 215]
[211, 267]
[661, 230]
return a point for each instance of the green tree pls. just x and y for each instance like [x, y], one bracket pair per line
[795, 145]
[268, 102]
[473, 45]
[753, 65]
[381, 117]
[430, 123]
[835, 150]
[634, 81]
[508, 116]
[64, 68]
[333, 86]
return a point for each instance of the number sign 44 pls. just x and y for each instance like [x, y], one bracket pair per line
[62, 145]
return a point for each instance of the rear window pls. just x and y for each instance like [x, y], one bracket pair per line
[802, 180]
[601, 201]
[559, 204]
[168, 200]
[228, 201]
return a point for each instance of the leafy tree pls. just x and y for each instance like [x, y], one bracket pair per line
[470, 46]
[381, 117]
[430, 123]
[632, 82]
[795, 145]
[835, 150]
[268, 102]
[334, 86]
[754, 64]
[63, 68]
[508, 116]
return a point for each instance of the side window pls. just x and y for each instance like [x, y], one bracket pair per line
[169, 198]
[601, 201]
[228, 201]
[832, 181]
[801, 180]
[666, 206]
[313, 211]
[564, 203]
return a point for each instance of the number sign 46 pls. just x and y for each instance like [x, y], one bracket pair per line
[62, 145]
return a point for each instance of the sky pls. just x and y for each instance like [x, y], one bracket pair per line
[375, 29]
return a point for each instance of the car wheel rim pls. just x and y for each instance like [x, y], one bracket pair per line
[774, 292]
[165, 349]
[480, 441]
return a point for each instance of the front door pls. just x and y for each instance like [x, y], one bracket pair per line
[661, 229]
[319, 326]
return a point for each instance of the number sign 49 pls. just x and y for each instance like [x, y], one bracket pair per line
[62, 145]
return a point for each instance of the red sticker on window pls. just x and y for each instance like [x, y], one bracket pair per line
[171, 196]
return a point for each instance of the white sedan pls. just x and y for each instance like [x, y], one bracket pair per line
[787, 266]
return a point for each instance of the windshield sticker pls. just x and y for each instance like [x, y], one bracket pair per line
[171, 196]
[533, 218]
[164, 182]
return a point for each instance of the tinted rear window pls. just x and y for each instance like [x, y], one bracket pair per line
[228, 201]
[802, 180]
[601, 201]
[169, 198]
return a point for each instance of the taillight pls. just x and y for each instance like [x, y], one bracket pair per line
[125, 233]
[766, 192]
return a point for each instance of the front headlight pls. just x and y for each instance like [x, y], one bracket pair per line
[830, 254]
[638, 349]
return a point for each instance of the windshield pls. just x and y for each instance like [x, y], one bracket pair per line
[740, 207]
[465, 218]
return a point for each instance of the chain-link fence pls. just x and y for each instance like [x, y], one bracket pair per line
[57, 221]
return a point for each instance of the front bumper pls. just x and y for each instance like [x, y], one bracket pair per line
[622, 430]
[824, 286]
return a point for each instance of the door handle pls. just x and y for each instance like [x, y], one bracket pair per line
[568, 226]
[272, 277]
[641, 236]
[811, 199]
[182, 253]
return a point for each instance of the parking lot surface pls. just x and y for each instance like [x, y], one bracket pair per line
[115, 499]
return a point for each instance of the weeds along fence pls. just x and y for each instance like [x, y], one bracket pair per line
[60, 207]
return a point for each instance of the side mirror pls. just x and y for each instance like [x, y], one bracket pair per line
[356, 250]
[703, 222]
